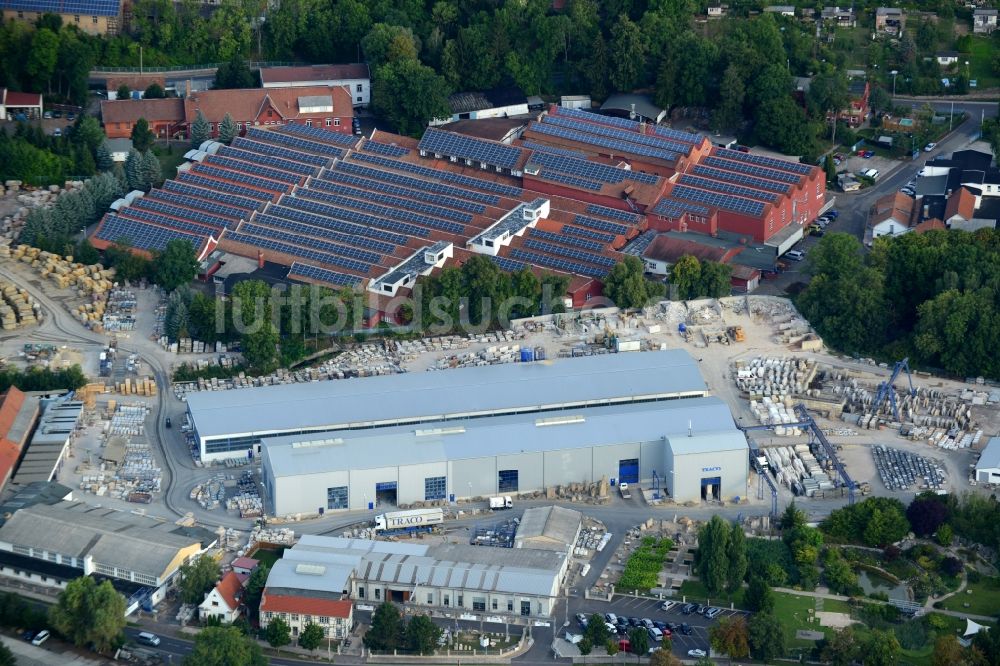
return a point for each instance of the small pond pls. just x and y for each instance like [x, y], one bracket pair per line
[872, 582]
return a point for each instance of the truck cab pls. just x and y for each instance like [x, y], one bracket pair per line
[623, 489]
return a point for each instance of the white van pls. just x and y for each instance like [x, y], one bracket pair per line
[148, 638]
[795, 255]
[871, 173]
[40, 637]
[655, 634]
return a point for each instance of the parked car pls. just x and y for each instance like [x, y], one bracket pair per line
[929, 147]
[686, 629]
[871, 173]
[697, 653]
[655, 634]
[819, 233]
[713, 613]
[581, 619]
[794, 255]
[667, 605]
[148, 639]
[634, 622]
[28, 635]
[57, 131]
[832, 213]
[70, 116]
[687, 609]
[40, 637]
[646, 622]
[869, 154]
[611, 618]
[57, 114]
[356, 125]
[47, 115]
[168, 423]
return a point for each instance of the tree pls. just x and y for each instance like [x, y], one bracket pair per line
[224, 646]
[7, 657]
[176, 265]
[133, 170]
[198, 577]
[882, 649]
[926, 514]
[731, 637]
[278, 633]
[200, 130]
[41, 58]
[154, 91]
[87, 133]
[628, 54]
[103, 159]
[150, 169]
[85, 253]
[227, 129]
[711, 562]
[234, 74]
[947, 651]
[830, 168]
[839, 575]
[729, 114]
[736, 554]
[585, 645]
[386, 631]
[422, 634]
[408, 94]
[638, 641]
[258, 577]
[827, 93]
[716, 279]
[767, 637]
[89, 613]
[123, 92]
[142, 136]
[311, 637]
[260, 347]
[842, 649]
[597, 630]
[611, 647]
[758, 596]
[627, 286]
[685, 277]
[663, 658]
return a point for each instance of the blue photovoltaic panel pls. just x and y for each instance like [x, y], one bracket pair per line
[244, 143]
[742, 179]
[752, 169]
[570, 240]
[506, 264]
[436, 174]
[82, 7]
[612, 145]
[164, 221]
[241, 178]
[269, 160]
[355, 216]
[187, 188]
[382, 186]
[728, 188]
[190, 177]
[726, 201]
[572, 253]
[621, 135]
[178, 199]
[600, 225]
[614, 213]
[385, 149]
[353, 258]
[300, 270]
[684, 137]
[286, 248]
[558, 263]
[183, 213]
[638, 245]
[142, 235]
[410, 181]
[249, 168]
[300, 143]
[568, 179]
[320, 134]
[672, 208]
[467, 147]
[580, 232]
[322, 232]
[386, 211]
[391, 200]
[565, 152]
[591, 170]
[325, 221]
[787, 165]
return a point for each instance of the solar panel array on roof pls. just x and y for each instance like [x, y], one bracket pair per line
[600, 225]
[164, 221]
[251, 169]
[211, 184]
[319, 133]
[726, 201]
[624, 216]
[470, 148]
[300, 270]
[573, 253]
[385, 149]
[728, 188]
[201, 204]
[184, 213]
[143, 236]
[742, 178]
[794, 167]
[279, 151]
[355, 216]
[507, 264]
[588, 233]
[672, 208]
[327, 221]
[185, 187]
[242, 178]
[430, 209]
[678, 135]
[568, 179]
[752, 169]
[322, 232]
[557, 263]
[436, 174]
[82, 7]
[269, 160]
[591, 170]
[625, 136]
[381, 186]
[386, 211]
[410, 181]
[565, 152]
[285, 248]
[348, 257]
[639, 244]
[611, 145]
[295, 142]
[569, 240]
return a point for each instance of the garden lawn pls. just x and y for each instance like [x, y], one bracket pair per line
[984, 600]
[267, 556]
[696, 593]
[169, 161]
[792, 611]
[643, 567]
[980, 63]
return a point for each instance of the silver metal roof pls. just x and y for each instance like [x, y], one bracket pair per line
[550, 523]
[990, 458]
[449, 394]
[709, 418]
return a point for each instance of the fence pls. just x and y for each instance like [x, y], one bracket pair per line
[448, 656]
[189, 68]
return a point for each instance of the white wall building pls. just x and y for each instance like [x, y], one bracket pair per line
[988, 467]
[355, 77]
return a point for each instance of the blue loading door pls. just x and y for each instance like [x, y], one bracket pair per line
[628, 470]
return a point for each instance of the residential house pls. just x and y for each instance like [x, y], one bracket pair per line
[892, 215]
[93, 18]
[165, 117]
[136, 84]
[839, 17]
[223, 600]
[984, 21]
[890, 20]
[946, 58]
[857, 110]
[244, 566]
[717, 10]
[20, 105]
[356, 78]
[784, 10]
[334, 616]
[496, 103]
[964, 212]
[660, 255]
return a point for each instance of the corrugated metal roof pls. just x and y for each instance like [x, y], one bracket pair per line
[431, 396]
[990, 458]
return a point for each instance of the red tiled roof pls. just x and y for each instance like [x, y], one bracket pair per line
[11, 98]
[962, 202]
[244, 105]
[229, 588]
[929, 225]
[135, 81]
[314, 73]
[170, 109]
[245, 563]
[10, 404]
[283, 603]
[9, 453]
[665, 248]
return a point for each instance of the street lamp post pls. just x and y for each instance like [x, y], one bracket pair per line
[966, 71]
[894, 73]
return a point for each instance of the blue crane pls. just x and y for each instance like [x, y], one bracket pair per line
[885, 389]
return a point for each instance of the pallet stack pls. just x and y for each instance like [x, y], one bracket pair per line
[145, 386]
[16, 307]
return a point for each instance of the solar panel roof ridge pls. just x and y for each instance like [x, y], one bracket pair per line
[258, 170]
[247, 186]
[269, 160]
[152, 198]
[653, 140]
[707, 184]
[240, 211]
[134, 216]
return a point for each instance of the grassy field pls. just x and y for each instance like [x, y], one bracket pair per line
[794, 613]
[981, 63]
[169, 161]
[267, 556]
[696, 593]
[984, 600]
